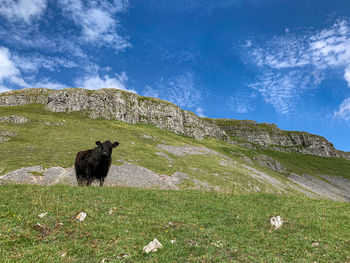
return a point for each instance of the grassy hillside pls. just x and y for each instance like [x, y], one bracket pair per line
[227, 226]
[207, 227]
[52, 139]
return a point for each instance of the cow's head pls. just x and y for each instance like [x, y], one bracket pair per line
[106, 148]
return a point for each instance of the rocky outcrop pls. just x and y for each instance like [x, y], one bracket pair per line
[251, 134]
[14, 119]
[132, 108]
[271, 163]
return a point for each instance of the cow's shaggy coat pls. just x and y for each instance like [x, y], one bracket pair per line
[94, 164]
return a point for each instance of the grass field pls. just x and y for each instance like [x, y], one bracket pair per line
[207, 227]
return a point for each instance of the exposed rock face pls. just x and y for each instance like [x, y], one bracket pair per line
[271, 163]
[132, 108]
[251, 134]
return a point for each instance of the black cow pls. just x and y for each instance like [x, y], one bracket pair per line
[94, 164]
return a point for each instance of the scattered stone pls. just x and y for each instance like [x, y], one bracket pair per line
[186, 149]
[42, 215]
[63, 254]
[276, 221]
[7, 133]
[193, 243]
[315, 244]
[4, 136]
[256, 189]
[4, 139]
[122, 256]
[14, 118]
[81, 216]
[172, 241]
[132, 143]
[246, 159]
[152, 246]
[112, 210]
[217, 244]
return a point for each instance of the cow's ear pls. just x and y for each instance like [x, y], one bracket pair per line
[115, 144]
[98, 143]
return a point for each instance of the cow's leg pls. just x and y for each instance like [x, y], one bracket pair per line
[89, 181]
[102, 179]
[89, 176]
[80, 180]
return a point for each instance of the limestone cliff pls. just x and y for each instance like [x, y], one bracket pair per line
[132, 108]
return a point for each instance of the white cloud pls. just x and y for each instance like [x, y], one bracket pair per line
[95, 82]
[149, 92]
[347, 75]
[32, 63]
[48, 84]
[4, 89]
[241, 102]
[11, 74]
[344, 110]
[200, 112]
[97, 20]
[181, 90]
[291, 64]
[22, 10]
[7, 67]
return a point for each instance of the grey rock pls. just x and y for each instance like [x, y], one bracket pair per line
[14, 119]
[265, 178]
[271, 163]
[165, 156]
[321, 187]
[123, 175]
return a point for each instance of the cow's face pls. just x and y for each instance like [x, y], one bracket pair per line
[106, 148]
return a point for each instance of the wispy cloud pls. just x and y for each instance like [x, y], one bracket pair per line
[293, 63]
[180, 90]
[200, 112]
[7, 67]
[22, 10]
[97, 22]
[4, 89]
[241, 102]
[344, 110]
[11, 75]
[96, 82]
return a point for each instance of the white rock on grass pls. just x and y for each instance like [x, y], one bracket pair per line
[276, 221]
[42, 215]
[152, 246]
[81, 216]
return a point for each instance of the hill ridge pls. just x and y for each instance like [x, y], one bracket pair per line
[132, 108]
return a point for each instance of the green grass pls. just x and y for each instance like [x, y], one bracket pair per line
[312, 165]
[199, 221]
[58, 143]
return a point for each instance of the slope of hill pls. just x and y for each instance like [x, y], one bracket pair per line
[131, 108]
[241, 188]
[154, 158]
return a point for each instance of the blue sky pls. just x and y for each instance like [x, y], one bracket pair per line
[277, 61]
